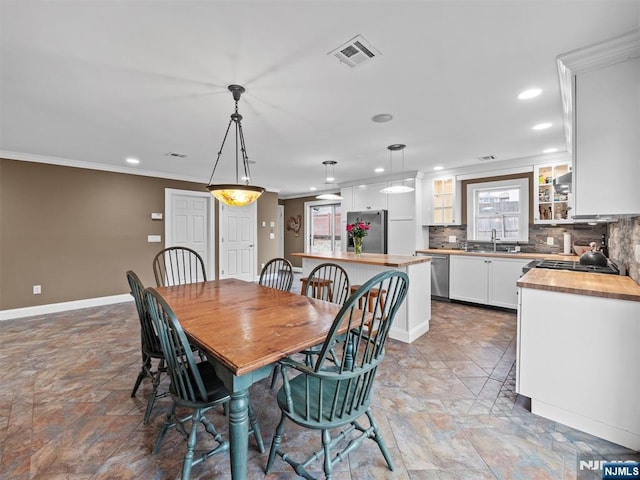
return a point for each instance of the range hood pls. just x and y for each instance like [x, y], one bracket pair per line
[562, 183]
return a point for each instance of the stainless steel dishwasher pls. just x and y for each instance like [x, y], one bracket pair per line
[439, 277]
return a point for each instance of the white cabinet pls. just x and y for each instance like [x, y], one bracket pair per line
[577, 358]
[550, 206]
[368, 197]
[600, 87]
[607, 132]
[485, 280]
[441, 202]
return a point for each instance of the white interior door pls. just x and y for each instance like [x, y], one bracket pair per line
[189, 220]
[238, 255]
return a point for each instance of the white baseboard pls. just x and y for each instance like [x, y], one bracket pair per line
[297, 269]
[63, 306]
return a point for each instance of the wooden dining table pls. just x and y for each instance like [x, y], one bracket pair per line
[244, 329]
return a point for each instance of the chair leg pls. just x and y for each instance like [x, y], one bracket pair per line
[156, 376]
[326, 444]
[191, 444]
[146, 365]
[274, 376]
[379, 440]
[168, 423]
[255, 427]
[275, 444]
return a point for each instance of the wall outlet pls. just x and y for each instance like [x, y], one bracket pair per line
[452, 239]
[272, 236]
[549, 240]
[264, 224]
[37, 289]
[154, 238]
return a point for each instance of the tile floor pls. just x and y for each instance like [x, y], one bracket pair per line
[446, 405]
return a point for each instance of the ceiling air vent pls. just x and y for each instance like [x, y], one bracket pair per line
[355, 52]
[486, 158]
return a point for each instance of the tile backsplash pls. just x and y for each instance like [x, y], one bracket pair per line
[623, 239]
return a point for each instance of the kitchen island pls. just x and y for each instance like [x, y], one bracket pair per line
[413, 317]
[577, 351]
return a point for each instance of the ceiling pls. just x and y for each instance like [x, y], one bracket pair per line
[90, 83]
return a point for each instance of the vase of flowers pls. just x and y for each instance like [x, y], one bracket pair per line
[358, 230]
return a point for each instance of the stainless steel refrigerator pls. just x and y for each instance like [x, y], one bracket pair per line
[376, 240]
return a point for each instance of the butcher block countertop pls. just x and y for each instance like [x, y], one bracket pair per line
[378, 259]
[581, 283]
[532, 256]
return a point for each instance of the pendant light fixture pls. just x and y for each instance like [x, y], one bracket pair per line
[402, 188]
[329, 180]
[238, 194]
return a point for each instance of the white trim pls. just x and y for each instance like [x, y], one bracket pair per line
[63, 306]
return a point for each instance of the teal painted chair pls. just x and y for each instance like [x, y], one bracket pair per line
[178, 266]
[337, 392]
[194, 386]
[328, 282]
[277, 273]
[150, 346]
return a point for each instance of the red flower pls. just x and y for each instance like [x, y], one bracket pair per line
[358, 229]
[349, 227]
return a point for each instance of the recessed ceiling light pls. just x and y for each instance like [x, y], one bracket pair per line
[330, 179]
[379, 170]
[438, 167]
[382, 118]
[313, 189]
[133, 161]
[531, 93]
[550, 150]
[542, 126]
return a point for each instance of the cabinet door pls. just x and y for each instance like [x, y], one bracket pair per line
[503, 275]
[606, 166]
[368, 197]
[401, 237]
[550, 206]
[468, 278]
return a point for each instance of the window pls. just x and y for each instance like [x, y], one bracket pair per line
[323, 227]
[502, 206]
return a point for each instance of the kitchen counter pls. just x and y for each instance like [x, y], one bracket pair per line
[577, 351]
[377, 259]
[580, 283]
[414, 314]
[532, 256]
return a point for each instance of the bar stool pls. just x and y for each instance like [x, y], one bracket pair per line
[373, 294]
[318, 284]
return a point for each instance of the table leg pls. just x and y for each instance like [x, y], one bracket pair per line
[239, 433]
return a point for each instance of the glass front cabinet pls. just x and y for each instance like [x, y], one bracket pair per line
[550, 206]
[443, 201]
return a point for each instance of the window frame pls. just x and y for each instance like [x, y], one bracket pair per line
[520, 183]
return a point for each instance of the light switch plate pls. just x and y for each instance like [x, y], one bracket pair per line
[156, 216]
[264, 224]
[154, 238]
[452, 239]
[549, 240]
[272, 236]
[272, 224]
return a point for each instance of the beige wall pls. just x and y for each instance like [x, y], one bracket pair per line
[292, 243]
[267, 213]
[77, 231]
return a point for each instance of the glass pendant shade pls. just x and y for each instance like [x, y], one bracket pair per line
[402, 188]
[235, 194]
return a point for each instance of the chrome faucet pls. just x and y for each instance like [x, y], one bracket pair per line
[494, 238]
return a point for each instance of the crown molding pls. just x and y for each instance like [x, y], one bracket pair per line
[65, 162]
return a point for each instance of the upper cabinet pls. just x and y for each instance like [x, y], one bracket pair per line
[368, 197]
[550, 206]
[441, 202]
[601, 95]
